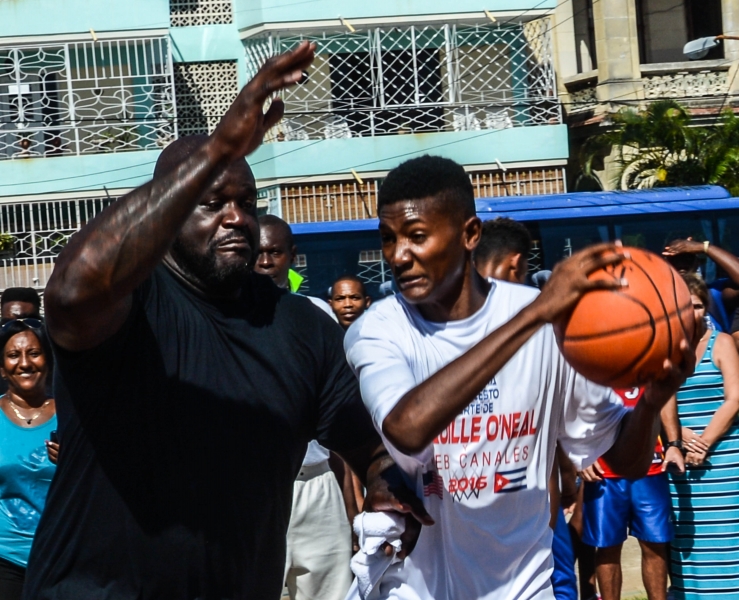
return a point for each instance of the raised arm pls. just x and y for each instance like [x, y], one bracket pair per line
[89, 294]
[726, 260]
[424, 412]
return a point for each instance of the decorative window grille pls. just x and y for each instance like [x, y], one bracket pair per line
[86, 97]
[184, 13]
[204, 91]
[413, 79]
[41, 229]
[372, 267]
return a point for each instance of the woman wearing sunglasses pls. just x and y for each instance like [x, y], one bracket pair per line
[27, 420]
[705, 504]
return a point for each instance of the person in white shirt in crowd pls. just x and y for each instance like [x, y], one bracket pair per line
[319, 538]
[464, 380]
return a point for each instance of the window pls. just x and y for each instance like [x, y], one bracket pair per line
[665, 26]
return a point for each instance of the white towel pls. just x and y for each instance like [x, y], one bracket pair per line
[370, 563]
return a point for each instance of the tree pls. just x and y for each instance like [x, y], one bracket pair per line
[659, 148]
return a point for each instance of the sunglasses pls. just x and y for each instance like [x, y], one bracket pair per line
[28, 322]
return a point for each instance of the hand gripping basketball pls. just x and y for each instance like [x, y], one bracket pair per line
[624, 336]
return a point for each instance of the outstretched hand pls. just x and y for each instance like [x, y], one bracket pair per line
[688, 246]
[242, 128]
[569, 280]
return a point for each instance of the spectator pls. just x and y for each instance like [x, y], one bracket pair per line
[705, 504]
[319, 535]
[28, 418]
[614, 506]
[19, 302]
[723, 299]
[348, 299]
[503, 251]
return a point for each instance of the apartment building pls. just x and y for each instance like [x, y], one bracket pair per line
[91, 91]
[612, 54]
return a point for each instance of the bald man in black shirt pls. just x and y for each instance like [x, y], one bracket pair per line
[188, 387]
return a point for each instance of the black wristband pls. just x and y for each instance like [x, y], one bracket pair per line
[675, 444]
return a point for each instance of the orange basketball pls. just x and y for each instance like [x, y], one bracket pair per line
[620, 338]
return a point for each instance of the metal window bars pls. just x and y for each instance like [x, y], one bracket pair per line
[187, 13]
[413, 79]
[40, 230]
[86, 97]
[348, 200]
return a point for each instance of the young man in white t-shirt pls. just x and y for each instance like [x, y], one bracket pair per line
[465, 382]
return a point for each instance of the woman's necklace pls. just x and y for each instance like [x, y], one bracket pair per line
[23, 417]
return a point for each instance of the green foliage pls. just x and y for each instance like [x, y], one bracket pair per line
[660, 148]
[6, 242]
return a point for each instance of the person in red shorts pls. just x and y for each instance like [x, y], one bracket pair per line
[614, 505]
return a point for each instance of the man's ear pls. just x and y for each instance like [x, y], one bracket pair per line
[367, 302]
[472, 232]
[293, 254]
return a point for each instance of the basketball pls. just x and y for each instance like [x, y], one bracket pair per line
[620, 338]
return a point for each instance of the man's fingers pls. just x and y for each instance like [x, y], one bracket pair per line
[415, 507]
[282, 71]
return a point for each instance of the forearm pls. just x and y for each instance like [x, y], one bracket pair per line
[426, 410]
[727, 261]
[670, 421]
[720, 422]
[633, 450]
[368, 461]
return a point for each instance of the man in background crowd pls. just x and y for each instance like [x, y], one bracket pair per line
[20, 303]
[615, 506]
[503, 251]
[319, 536]
[348, 299]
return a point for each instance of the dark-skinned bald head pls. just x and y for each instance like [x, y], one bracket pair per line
[184, 147]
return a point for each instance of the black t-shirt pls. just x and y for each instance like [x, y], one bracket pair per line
[181, 437]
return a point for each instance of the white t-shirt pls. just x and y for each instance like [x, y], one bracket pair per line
[316, 453]
[484, 479]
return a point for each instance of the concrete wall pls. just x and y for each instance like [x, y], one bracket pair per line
[49, 17]
[249, 13]
[290, 159]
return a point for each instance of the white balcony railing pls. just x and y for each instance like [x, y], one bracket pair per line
[414, 79]
[40, 230]
[86, 97]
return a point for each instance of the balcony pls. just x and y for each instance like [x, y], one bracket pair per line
[698, 84]
[40, 230]
[108, 96]
[416, 79]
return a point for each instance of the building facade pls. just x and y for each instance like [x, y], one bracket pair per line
[612, 54]
[90, 93]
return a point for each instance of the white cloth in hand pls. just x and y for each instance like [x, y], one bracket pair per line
[371, 562]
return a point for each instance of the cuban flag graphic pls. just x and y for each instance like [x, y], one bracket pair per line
[510, 481]
[433, 484]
